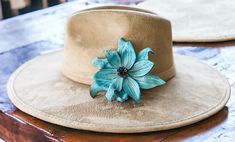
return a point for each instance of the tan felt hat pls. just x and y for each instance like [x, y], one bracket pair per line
[55, 87]
[197, 20]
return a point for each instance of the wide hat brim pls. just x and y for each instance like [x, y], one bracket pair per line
[195, 21]
[40, 89]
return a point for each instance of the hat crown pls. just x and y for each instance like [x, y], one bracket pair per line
[92, 31]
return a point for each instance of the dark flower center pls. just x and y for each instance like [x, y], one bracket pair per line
[122, 71]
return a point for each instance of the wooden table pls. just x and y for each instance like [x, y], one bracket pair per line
[27, 36]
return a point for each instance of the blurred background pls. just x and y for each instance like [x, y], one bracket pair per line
[11, 8]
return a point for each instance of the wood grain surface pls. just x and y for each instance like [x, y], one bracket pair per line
[30, 35]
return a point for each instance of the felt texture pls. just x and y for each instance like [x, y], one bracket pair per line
[196, 20]
[91, 31]
[41, 90]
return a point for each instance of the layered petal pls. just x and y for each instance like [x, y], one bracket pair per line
[113, 58]
[95, 89]
[110, 93]
[104, 83]
[127, 53]
[149, 81]
[141, 68]
[131, 87]
[143, 54]
[121, 96]
[121, 44]
[118, 83]
[101, 63]
[105, 77]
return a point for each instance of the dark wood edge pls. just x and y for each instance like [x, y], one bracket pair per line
[13, 131]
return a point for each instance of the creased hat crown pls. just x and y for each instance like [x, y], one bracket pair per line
[90, 32]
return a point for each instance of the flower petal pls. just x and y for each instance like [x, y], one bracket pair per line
[105, 74]
[141, 68]
[127, 54]
[143, 54]
[95, 89]
[149, 81]
[121, 96]
[105, 77]
[104, 83]
[110, 93]
[118, 83]
[121, 44]
[113, 58]
[131, 87]
[101, 63]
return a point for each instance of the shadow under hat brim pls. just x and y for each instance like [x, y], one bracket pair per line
[196, 92]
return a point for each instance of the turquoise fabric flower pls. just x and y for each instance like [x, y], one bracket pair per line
[123, 73]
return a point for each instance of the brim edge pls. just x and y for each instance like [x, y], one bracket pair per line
[93, 127]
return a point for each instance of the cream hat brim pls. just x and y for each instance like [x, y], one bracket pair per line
[195, 93]
[196, 20]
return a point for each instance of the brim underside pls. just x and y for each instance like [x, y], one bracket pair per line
[195, 93]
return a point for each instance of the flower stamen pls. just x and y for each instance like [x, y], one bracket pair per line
[122, 72]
